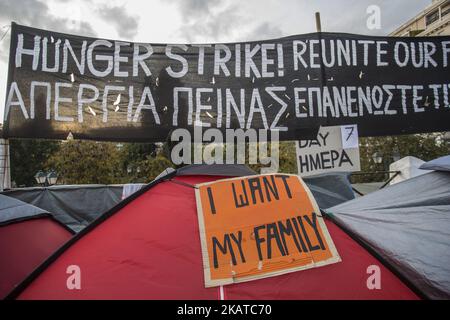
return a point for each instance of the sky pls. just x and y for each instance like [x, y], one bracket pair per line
[196, 21]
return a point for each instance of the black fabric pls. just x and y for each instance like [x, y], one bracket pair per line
[293, 84]
[408, 225]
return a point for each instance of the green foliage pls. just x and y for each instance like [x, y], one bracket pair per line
[84, 162]
[287, 158]
[134, 157]
[134, 152]
[423, 146]
[154, 166]
[27, 157]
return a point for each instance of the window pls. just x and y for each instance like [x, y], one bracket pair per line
[445, 11]
[432, 17]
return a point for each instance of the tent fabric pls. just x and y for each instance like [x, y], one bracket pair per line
[408, 225]
[28, 235]
[24, 245]
[12, 210]
[439, 164]
[330, 189]
[226, 170]
[77, 206]
[130, 188]
[366, 188]
[149, 248]
[406, 168]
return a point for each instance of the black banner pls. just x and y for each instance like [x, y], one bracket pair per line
[112, 90]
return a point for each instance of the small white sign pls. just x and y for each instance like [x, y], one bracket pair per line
[336, 149]
[349, 136]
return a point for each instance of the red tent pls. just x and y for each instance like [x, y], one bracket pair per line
[28, 236]
[148, 247]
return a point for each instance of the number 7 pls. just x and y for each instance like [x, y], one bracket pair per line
[352, 129]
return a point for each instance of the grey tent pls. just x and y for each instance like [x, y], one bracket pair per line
[73, 205]
[13, 210]
[439, 164]
[408, 226]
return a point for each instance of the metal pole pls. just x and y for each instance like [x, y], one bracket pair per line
[5, 168]
[318, 23]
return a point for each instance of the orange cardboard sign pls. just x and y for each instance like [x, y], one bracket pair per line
[260, 226]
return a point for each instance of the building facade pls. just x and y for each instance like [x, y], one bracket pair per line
[434, 20]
